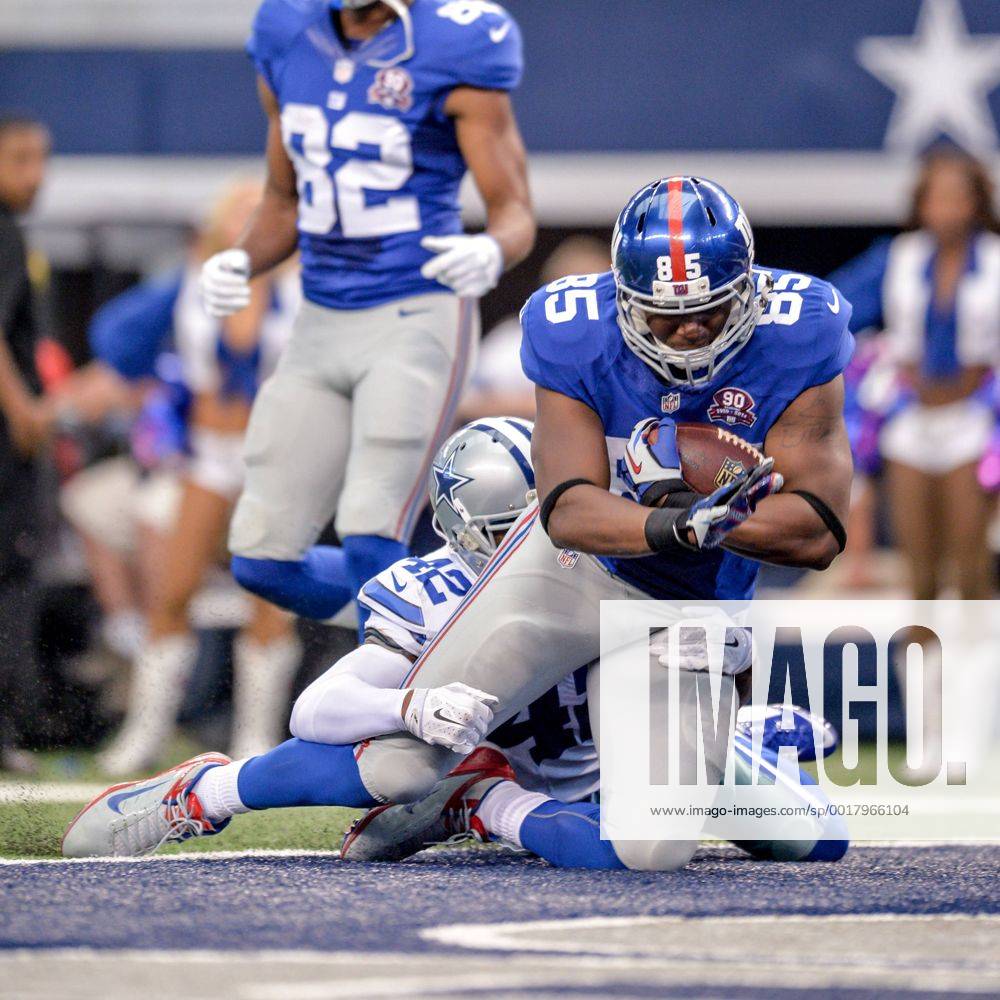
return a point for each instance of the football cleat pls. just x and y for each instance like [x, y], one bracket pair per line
[139, 817]
[810, 734]
[445, 816]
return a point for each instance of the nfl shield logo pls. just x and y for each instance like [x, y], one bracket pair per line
[567, 558]
[731, 468]
[343, 70]
[671, 402]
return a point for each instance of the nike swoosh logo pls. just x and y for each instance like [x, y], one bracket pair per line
[499, 34]
[636, 469]
[444, 718]
[734, 643]
[835, 308]
[404, 313]
[116, 800]
[396, 585]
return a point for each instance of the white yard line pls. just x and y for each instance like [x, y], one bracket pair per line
[63, 792]
[166, 858]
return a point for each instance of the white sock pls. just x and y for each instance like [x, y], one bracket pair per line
[124, 632]
[218, 791]
[262, 688]
[159, 678]
[505, 807]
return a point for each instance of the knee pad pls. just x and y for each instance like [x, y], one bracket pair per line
[655, 855]
[255, 575]
[403, 769]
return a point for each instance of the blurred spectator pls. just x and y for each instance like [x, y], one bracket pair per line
[935, 292]
[191, 433]
[499, 387]
[24, 431]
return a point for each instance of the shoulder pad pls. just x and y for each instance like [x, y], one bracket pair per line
[565, 330]
[277, 24]
[819, 343]
[482, 43]
[397, 595]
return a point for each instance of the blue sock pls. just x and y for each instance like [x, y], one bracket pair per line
[568, 835]
[317, 586]
[366, 556]
[298, 773]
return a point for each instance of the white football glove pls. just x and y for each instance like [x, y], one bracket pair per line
[469, 265]
[692, 647]
[455, 716]
[225, 283]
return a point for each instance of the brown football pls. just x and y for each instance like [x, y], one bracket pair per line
[712, 457]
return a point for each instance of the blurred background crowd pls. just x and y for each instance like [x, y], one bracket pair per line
[123, 405]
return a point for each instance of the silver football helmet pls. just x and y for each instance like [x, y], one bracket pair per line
[480, 483]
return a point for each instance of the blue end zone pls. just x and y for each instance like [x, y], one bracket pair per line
[319, 903]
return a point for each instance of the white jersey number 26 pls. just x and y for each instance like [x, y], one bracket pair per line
[323, 197]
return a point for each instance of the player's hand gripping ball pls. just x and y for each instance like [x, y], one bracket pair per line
[652, 461]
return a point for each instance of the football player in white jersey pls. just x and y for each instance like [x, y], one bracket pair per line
[540, 769]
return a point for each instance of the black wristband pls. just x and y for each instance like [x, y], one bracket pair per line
[549, 503]
[666, 488]
[827, 516]
[661, 530]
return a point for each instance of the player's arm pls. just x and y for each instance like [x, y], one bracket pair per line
[271, 235]
[360, 698]
[568, 444]
[493, 150]
[810, 447]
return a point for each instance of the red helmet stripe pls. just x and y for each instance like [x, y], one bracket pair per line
[675, 220]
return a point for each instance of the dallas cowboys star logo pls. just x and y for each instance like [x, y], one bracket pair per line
[942, 77]
[446, 481]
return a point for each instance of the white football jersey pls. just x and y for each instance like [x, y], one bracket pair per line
[548, 743]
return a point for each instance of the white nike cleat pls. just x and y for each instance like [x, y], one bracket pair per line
[139, 817]
[445, 816]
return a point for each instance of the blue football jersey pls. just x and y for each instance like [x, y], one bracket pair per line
[377, 161]
[572, 345]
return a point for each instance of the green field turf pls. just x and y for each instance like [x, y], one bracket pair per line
[33, 830]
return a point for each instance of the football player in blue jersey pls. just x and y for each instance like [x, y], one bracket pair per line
[685, 325]
[375, 112]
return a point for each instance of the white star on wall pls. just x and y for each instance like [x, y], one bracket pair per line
[942, 77]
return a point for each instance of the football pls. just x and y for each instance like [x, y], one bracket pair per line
[712, 457]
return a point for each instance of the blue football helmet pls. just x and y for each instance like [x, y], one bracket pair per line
[683, 245]
[402, 10]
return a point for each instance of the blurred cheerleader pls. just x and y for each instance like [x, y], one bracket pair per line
[222, 366]
[935, 292]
